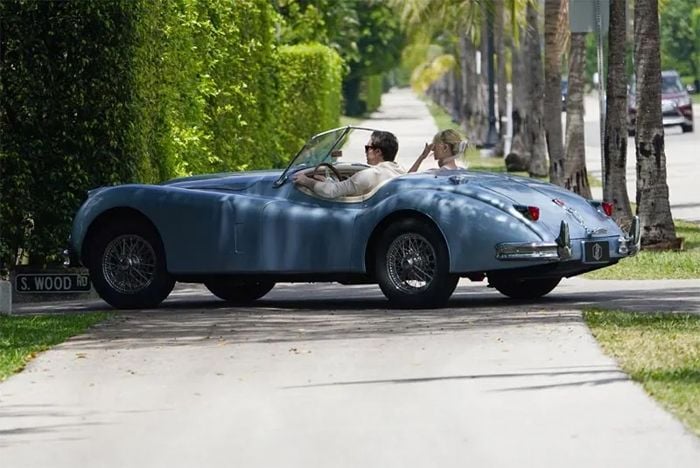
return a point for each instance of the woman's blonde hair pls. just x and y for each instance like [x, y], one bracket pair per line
[452, 139]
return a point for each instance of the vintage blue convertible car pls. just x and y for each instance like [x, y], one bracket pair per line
[415, 235]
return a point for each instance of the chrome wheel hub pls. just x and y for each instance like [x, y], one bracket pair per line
[411, 263]
[129, 264]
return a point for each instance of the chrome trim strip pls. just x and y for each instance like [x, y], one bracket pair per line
[527, 251]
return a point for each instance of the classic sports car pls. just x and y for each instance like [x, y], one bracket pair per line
[415, 235]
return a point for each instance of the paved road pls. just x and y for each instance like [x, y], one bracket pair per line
[325, 375]
[682, 164]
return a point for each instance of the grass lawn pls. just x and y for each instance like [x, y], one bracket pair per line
[662, 352]
[660, 265]
[23, 337]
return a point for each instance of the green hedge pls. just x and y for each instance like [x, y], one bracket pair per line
[310, 98]
[373, 87]
[64, 108]
[100, 93]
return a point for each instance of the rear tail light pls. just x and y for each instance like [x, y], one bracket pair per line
[530, 212]
[607, 208]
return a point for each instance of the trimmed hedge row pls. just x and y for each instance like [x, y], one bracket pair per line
[100, 93]
[310, 98]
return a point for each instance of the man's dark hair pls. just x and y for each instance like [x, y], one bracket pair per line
[387, 144]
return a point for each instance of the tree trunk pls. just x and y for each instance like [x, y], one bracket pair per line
[615, 144]
[653, 204]
[519, 148]
[574, 175]
[552, 89]
[467, 60]
[501, 84]
[535, 93]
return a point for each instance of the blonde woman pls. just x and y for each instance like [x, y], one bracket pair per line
[446, 147]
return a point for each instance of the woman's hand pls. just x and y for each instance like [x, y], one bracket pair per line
[426, 151]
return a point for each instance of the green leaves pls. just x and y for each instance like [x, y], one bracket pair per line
[102, 93]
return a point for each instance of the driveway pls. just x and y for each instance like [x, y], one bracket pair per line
[327, 376]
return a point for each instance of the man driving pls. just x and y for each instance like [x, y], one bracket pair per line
[380, 152]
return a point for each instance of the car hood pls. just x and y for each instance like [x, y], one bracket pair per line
[229, 181]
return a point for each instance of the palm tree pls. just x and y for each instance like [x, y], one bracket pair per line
[534, 75]
[501, 81]
[574, 175]
[553, 39]
[615, 144]
[653, 204]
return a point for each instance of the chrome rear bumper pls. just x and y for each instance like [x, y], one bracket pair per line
[561, 248]
[554, 251]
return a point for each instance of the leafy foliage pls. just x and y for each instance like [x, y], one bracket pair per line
[102, 93]
[310, 77]
[680, 34]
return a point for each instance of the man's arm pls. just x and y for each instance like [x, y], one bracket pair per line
[359, 183]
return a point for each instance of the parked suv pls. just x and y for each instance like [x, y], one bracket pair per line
[676, 105]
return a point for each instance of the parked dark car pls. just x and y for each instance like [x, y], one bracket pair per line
[676, 104]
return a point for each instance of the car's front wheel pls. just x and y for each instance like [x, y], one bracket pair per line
[127, 265]
[237, 291]
[687, 128]
[412, 265]
[523, 288]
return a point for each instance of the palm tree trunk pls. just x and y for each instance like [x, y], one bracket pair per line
[501, 84]
[552, 89]
[575, 177]
[467, 61]
[519, 148]
[615, 144]
[652, 190]
[534, 123]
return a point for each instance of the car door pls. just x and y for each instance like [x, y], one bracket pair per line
[301, 233]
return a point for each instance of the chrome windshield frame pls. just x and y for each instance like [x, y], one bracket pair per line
[293, 166]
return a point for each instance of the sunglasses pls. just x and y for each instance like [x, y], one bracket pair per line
[369, 147]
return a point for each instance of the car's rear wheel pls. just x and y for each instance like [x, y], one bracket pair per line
[412, 265]
[237, 291]
[523, 288]
[127, 265]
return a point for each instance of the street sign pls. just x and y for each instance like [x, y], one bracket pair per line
[52, 283]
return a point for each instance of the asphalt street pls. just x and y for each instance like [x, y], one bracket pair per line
[326, 375]
[682, 167]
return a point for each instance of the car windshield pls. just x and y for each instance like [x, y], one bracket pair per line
[324, 146]
[671, 85]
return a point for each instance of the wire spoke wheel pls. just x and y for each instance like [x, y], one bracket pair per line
[129, 264]
[411, 263]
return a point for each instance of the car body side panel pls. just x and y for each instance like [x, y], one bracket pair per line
[198, 228]
[304, 234]
[470, 226]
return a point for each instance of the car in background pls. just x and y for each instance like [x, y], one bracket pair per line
[676, 104]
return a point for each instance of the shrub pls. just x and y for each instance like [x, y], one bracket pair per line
[310, 78]
[101, 93]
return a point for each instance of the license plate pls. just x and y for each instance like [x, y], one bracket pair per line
[596, 252]
[52, 283]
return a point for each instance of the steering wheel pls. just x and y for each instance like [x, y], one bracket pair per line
[335, 172]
